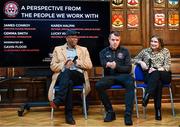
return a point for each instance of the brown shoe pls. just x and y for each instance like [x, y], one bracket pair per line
[53, 105]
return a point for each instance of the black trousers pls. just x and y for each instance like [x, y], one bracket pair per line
[66, 80]
[155, 81]
[123, 79]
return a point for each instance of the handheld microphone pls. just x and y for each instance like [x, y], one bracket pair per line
[149, 59]
[150, 62]
[75, 58]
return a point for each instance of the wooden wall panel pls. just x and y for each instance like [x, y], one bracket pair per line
[175, 66]
[170, 35]
[3, 72]
[133, 39]
[134, 49]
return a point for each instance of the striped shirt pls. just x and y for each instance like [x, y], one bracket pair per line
[71, 53]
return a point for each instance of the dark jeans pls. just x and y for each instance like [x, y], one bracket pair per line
[65, 81]
[155, 82]
[125, 80]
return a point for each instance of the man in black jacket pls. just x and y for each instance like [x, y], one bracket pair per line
[116, 62]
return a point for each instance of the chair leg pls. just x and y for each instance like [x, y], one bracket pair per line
[84, 104]
[136, 101]
[52, 113]
[144, 112]
[103, 110]
[172, 103]
[144, 108]
[52, 109]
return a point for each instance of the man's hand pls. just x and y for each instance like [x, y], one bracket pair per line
[108, 64]
[69, 63]
[111, 65]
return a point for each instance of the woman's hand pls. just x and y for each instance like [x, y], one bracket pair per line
[151, 70]
[143, 65]
[161, 69]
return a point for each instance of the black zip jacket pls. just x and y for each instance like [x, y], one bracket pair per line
[122, 58]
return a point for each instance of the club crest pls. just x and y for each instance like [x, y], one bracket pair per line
[133, 2]
[117, 20]
[173, 2]
[159, 1]
[120, 56]
[132, 20]
[159, 19]
[173, 19]
[11, 9]
[117, 2]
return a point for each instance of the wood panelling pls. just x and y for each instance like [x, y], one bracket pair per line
[134, 49]
[175, 66]
[22, 90]
[176, 88]
[170, 35]
[3, 72]
[175, 51]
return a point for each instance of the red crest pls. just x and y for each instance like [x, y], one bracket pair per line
[133, 2]
[159, 19]
[117, 20]
[133, 20]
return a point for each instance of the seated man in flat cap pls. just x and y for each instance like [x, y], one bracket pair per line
[69, 64]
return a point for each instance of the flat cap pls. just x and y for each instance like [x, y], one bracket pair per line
[72, 33]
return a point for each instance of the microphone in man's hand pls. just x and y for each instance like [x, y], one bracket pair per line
[75, 58]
